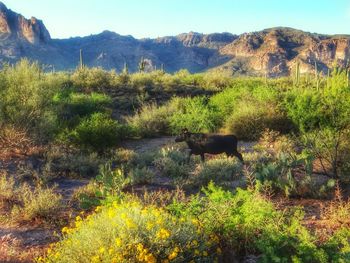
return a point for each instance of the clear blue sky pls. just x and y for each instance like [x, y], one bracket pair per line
[153, 18]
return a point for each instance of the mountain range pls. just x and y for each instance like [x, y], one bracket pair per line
[271, 52]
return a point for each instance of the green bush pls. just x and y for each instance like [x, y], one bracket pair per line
[94, 79]
[194, 114]
[219, 171]
[173, 163]
[73, 106]
[338, 246]
[130, 232]
[25, 96]
[247, 223]
[249, 120]
[98, 132]
[152, 120]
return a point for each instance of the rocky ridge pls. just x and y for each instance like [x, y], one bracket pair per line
[271, 52]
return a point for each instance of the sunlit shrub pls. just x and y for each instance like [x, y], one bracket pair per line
[98, 132]
[194, 114]
[130, 232]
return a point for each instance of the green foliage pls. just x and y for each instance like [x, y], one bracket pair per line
[140, 175]
[247, 223]
[249, 120]
[220, 171]
[110, 182]
[74, 104]
[27, 203]
[151, 120]
[94, 79]
[98, 132]
[130, 232]
[194, 114]
[173, 163]
[25, 94]
[338, 246]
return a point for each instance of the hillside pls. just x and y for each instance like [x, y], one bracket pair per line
[272, 52]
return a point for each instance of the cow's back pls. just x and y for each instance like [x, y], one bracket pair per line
[220, 143]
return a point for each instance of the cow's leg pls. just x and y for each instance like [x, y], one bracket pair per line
[202, 157]
[239, 156]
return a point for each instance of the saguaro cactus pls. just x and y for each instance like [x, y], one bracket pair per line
[316, 76]
[297, 73]
[81, 64]
[125, 69]
[142, 65]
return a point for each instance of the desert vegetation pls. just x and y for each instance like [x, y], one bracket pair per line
[136, 202]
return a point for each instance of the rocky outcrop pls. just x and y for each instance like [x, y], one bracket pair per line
[275, 52]
[18, 27]
[272, 52]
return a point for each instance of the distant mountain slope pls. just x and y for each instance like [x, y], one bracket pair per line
[273, 52]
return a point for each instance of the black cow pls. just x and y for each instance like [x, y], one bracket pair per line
[200, 143]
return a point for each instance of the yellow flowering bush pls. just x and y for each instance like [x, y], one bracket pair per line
[131, 232]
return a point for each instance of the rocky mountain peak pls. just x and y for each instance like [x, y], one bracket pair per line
[15, 25]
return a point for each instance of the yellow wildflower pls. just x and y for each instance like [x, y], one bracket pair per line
[118, 242]
[163, 234]
[95, 259]
[65, 230]
[101, 250]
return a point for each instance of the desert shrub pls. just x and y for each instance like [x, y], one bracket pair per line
[130, 232]
[140, 175]
[331, 147]
[110, 181]
[68, 161]
[311, 109]
[249, 121]
[25, 95]
[304, 109]
[219, 171]
[216, 80]
[125, 157]
[151, 120]
[98, 132]
[246, 223]
[142, 81]
[173, 163]
[225, 103]
[38, 203]
[85, 197]
[338, 246]
[7, 188]
[93, 78]
[170, 168]
[291, 174]
[194, 114]
[73, 105]
[23, 202]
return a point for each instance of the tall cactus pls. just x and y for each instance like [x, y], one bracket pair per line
[316, 76]
[142, 65]
[297, 74]
[162, 68]
[125, 69]
[81, 59]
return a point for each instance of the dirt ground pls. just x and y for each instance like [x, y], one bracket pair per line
[27, 241]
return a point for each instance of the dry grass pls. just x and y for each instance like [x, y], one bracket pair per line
[21, 202]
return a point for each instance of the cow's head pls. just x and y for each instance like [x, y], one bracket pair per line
[183, 136]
